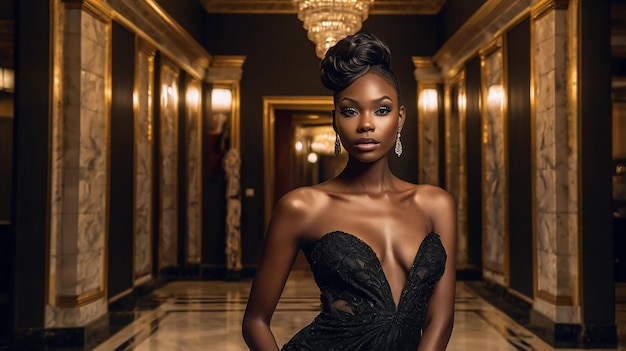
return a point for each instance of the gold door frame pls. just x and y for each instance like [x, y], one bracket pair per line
[270, 105]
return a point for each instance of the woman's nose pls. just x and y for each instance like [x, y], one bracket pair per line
[366, 124]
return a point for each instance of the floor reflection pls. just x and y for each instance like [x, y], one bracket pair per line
[206, 315]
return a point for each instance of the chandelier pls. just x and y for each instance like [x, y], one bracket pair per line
[328, 21]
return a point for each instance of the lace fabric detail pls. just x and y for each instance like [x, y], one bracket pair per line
[358, 310]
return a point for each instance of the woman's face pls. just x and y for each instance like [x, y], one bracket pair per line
[367, 117]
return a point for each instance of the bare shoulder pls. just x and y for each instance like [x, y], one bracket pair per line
[298, 208]
[438, 204]
[434, 197]
[300, 199]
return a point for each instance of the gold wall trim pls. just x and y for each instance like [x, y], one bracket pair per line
[97, 8]
[149, 21]
[492, 19]
[270, 105]
[574, 111]
[533, 153]
[108, 102]
[543, 7]
[379, 7]
[226, 61]
[556, 300]
[80, 300]
[492, 46]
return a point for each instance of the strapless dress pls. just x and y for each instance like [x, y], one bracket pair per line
[358, 310]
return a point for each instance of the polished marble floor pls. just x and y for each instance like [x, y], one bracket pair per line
[206, 315]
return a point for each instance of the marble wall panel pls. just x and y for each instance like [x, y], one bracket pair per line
[456, 178]
[79, 173]
[168, 168]
[558, 314]
[194, 179]
[556, 169]
[80, 316]
[493, 162]
[144, 165]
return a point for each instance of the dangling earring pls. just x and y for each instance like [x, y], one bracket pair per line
[337, 145]
[398, 149]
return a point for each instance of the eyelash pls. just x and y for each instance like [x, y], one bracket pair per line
[351, 111]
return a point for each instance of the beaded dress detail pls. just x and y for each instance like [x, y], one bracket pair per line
[358, 310]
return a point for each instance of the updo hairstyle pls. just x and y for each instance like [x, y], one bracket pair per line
[354, 56]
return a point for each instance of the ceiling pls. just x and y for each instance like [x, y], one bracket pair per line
[379, 7]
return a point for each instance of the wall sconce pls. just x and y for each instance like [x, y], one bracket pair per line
[428, 100]
[221, 100]
[221, 106]
[495, 97]
[7, 79]
[193, 98]
[461, 101]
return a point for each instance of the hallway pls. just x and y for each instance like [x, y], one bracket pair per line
[206, 315]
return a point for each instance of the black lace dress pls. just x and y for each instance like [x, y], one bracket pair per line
[358, 310]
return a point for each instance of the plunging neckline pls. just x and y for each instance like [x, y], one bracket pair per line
[380, 265]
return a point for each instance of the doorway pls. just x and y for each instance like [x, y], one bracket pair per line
[298, 148]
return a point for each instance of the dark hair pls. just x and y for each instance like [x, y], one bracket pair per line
[354, 56]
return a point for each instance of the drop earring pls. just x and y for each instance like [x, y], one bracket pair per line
[398, 149]
[337, 145]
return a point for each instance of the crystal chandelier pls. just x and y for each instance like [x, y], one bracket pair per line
[328, 21]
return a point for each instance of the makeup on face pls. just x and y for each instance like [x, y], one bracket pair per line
[367, 115]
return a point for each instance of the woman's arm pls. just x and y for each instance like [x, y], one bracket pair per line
[280, 248]
[440, 314]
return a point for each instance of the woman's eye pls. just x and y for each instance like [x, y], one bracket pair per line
[348, 112]
[383, 110]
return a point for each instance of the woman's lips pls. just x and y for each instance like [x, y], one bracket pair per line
[366, 144]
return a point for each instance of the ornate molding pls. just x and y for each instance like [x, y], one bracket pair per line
[380, 7]
[152, 23]
[80, 300]
[543, 7]
[425, 69]
[488, 22]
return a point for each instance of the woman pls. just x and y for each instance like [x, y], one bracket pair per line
[381, 249]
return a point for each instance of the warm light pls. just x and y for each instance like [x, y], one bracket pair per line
[328, 21]
[428, 100]
[461, 101]
[221, 100]
[193, 97]
[299, 146]
[495, 96]
[324, 141]
[312, 157]
[7, 79]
